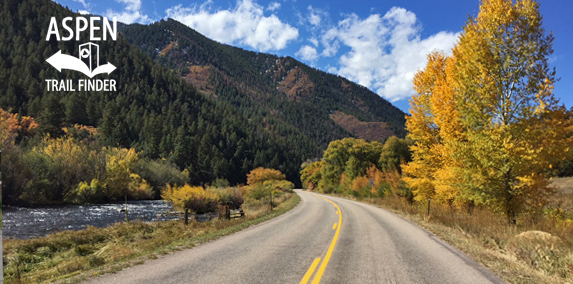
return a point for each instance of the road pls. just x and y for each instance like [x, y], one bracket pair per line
[308, 244]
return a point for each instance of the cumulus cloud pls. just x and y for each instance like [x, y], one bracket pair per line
[384, 51]
[307, 53]
[274, 6]
[130, 14]
[245, 24]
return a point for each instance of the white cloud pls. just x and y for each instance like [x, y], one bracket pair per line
[314, 41]
[274, 6]
[316, 16]
[307, 53]
[84, 12]
[385, 51]
[131, 13]
[245, 24]
[83, 2]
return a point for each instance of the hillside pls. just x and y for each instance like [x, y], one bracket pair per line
[287, 89]
[153, 110]
[215, 110]
[364, 130]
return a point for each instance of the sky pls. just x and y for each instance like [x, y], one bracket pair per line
[378, 44]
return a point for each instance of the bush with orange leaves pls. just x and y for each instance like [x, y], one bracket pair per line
[361, 186]
[260, 175]
[13, 128]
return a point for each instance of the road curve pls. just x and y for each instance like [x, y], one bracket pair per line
[371, 246]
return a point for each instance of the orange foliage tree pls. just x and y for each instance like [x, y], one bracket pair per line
[260, 175]
[12, 127]
[485, 122]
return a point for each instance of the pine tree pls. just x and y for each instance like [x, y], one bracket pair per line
[51, 119]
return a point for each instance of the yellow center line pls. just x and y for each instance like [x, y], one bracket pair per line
[324, 263]
[310, 271]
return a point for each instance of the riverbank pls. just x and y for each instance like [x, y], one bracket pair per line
[73, 256]
[40, 221]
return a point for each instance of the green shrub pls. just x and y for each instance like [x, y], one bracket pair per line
[220, 183]
[139, 188]
[160, 173]
[86, 193]
[229, 196]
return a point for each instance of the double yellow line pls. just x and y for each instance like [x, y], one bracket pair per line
[324, 263]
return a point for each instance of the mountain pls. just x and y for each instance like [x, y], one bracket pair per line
[213, 109]
[286, 88]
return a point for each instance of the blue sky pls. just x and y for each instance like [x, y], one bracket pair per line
[378, 44]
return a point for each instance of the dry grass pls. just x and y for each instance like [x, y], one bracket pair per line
[76, 255]
[365, 130]
[296, 84]
[536, 250]
[564, 197]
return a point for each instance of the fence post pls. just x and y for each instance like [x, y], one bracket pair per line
[429, 200]
[126, 213]
[186, 216]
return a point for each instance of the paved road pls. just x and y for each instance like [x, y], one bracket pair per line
[308, 244]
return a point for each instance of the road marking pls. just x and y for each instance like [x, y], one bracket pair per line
[310, 271]
[334, 226]
[324, 263]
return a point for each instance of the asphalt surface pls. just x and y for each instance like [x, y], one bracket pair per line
[371, 246]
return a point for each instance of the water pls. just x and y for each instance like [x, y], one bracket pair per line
[24, 223]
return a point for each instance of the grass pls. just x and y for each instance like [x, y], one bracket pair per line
[536, 250]
[74, 256]
[564, 197]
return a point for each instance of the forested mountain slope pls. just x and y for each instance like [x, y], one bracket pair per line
[291, 91]
[240, 115]
[153, 110]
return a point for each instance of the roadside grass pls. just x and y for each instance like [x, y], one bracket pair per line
[536, 250]
[74, 256]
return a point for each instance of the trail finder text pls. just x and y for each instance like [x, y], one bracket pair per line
[88, 60]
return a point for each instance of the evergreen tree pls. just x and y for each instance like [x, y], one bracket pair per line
[51, 119]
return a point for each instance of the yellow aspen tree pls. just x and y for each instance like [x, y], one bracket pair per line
[310, 175]
[513, 124]
[423, 128]
[486, 124]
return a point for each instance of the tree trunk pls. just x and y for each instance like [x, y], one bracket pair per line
[510, 209]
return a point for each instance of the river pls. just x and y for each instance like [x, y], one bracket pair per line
[24, 222]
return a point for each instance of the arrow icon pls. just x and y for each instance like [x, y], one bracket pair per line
[64, 61]
[106, 68]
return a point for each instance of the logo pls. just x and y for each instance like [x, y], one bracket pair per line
[88, 61]
[63, 61]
